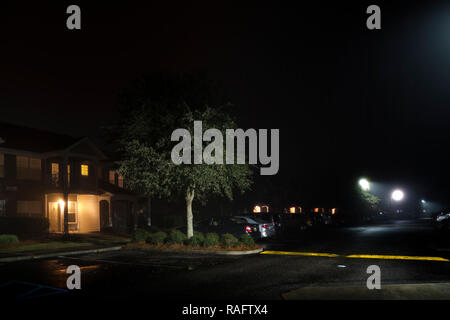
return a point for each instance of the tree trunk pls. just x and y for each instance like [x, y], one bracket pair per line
[190, 224]
[149, 211]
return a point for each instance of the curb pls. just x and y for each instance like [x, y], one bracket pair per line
[217, 252]
[58, 254]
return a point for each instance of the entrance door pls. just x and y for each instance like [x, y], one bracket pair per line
[55, 217]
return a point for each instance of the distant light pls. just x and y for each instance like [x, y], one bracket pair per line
[256, 209]
[364, 184]
[397, 195]
[333, 211]
[423, 201]
[292, 210]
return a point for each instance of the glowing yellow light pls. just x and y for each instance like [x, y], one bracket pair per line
[333, 211]
[84, 170]
[61, 203]
[256, 209]
[316, 210]
[292, 210]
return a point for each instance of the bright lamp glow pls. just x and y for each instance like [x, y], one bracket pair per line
[397, 195]
[364, 184]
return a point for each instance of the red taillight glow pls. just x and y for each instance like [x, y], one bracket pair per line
[248, 229]
[265, 226]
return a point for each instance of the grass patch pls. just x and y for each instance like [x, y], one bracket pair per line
[27, 246]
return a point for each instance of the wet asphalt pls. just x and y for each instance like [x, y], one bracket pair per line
[136, 274]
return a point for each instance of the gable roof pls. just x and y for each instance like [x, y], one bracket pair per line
[23, 138]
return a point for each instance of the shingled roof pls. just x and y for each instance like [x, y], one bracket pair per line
[33, 140]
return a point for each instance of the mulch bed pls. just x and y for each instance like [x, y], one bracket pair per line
[143, 245]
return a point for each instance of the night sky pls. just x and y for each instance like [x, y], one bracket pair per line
[349, 102]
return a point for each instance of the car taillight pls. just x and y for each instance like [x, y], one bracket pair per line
[265, 226]
[248, 229]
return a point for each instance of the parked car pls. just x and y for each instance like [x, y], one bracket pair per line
[265, 225]
[237, 226]
[443, 220]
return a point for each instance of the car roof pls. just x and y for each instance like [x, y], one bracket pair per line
[249, 219]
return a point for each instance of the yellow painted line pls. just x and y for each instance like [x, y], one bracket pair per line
[377, 256]
[355, 256]
[293, 253]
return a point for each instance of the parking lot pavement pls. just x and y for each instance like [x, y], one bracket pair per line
[326, 259]
[162, 260]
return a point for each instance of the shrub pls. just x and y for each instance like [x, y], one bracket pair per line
[140, 235]
[177, 237]
[247, 240]
[211, 240]
[157, 237]
[7, 239]
[227, 240]
[196, 240]
[27, 226]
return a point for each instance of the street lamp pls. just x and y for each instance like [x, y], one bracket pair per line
[423, 201]
[397, 195]
[364, 184]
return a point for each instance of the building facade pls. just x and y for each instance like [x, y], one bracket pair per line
[37, 168]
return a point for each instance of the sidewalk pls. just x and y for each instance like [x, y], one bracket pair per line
[41, 254]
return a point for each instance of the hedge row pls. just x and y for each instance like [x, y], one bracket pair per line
[226, 240]
[8, 239]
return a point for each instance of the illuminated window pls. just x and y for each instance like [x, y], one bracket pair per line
[316, 210]
[112, 177]
[300, 209]
[265, 208]
[292, 210]
[28, 168]
[84, 170]
[72, 212]
[2, 165]
[256, 209]
[333, 211]
[55, 173]
[120, 181]
[68, 175]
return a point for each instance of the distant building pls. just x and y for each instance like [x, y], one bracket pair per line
[32, 164]
[259, 208]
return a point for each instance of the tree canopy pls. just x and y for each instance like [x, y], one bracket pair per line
[144, 140]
